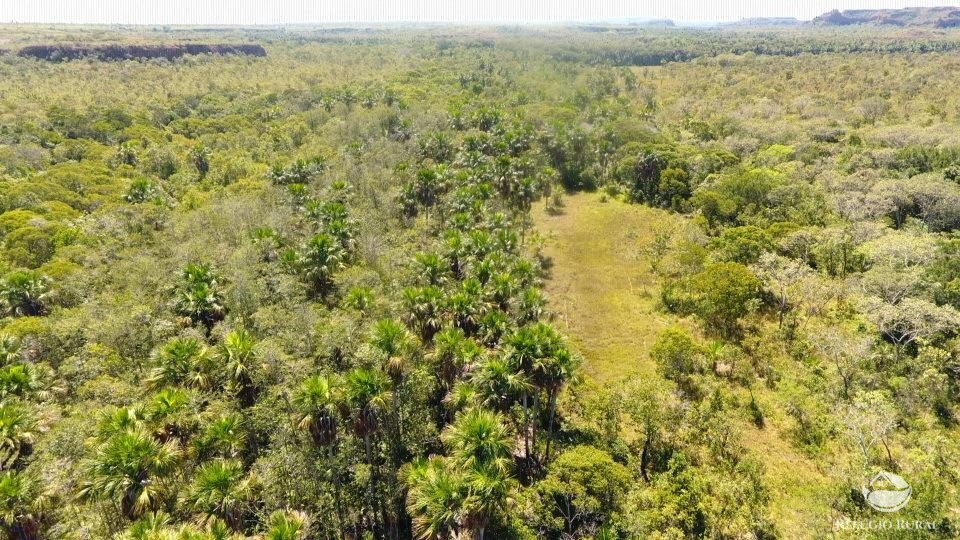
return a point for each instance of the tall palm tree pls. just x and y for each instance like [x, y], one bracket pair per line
[182, 361]
[25, 293]
[435, 497]
[220, 489]
[287, 525]
[316, 401]
[319, 260]
[9, 350]
[479, 437]
[17, 433]
[199, 295]
[459, 494]
[481, 444]
[467, 306]
[21, 505]
[225, 436]
[238, 356]
[423, 310]
[366, 397]
[552, 373]
[130, 468]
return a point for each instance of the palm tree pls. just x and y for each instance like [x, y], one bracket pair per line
[224, 436]
[9, 350]
[479, 437]
[172, 415]
[467, 306]
[435, 497]
[423, 308]
[526, 352]
[120, 420]
[499, 383]
[130, 468]
[237, 354]
[481, 444]
[21, 505]
[20, 380]
[25, 293]
[449, 496]
[551, 373]
[199, 295]
[366, 397]
[287, 525]
[316, 401]
[320, 259]
[16, 433]
[221, 490]
[431, 268]
[184, 361]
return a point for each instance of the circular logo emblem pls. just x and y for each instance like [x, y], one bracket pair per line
[887, 492]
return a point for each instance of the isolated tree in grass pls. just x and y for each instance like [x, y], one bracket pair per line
[846, 351]
[779, 276]
[199, 295]
[131, 469]
[25, 293]
[721, 295]
[910, 320]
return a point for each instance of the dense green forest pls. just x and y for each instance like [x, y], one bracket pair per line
[305, 295]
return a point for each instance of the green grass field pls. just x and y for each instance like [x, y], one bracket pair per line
[604, 294]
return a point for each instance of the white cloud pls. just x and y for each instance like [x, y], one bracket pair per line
[321, 11]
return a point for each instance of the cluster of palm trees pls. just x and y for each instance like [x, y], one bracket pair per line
[471, 326]
[21, 386]
[190, 432]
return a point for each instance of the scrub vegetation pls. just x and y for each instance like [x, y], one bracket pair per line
[477, 283]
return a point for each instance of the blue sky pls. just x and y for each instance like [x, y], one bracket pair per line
[328, 11]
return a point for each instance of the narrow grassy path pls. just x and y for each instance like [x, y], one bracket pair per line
[605, 295]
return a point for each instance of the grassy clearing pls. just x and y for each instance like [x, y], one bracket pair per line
[605, 295]
[601, 284]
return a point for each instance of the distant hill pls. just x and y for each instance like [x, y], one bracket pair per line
[766, 21]
[933, 17]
